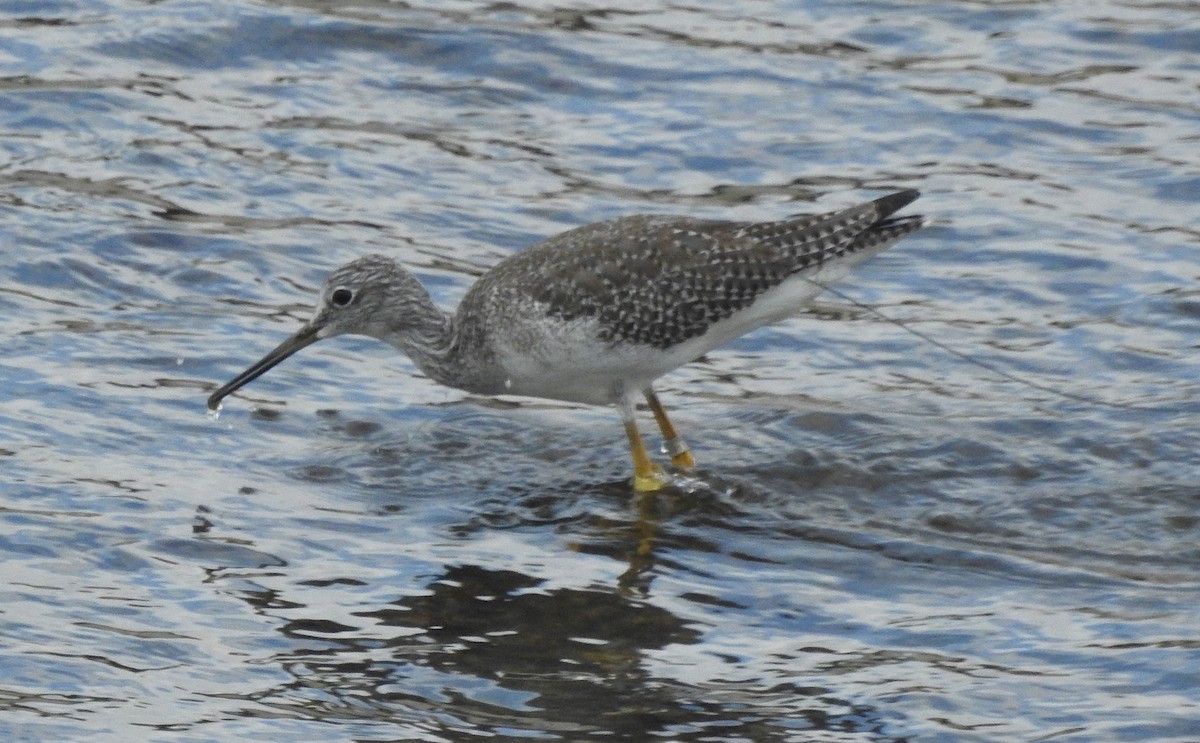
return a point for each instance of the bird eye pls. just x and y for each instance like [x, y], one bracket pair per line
[341, 297]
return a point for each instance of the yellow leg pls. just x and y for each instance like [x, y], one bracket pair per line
[647, 476]
[681, 456]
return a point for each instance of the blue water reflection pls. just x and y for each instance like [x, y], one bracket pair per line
[882, 541]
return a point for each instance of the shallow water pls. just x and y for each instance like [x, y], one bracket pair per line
[882, 542]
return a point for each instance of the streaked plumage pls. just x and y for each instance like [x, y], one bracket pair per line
[596, 314]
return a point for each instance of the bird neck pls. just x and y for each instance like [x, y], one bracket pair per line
[427, 335]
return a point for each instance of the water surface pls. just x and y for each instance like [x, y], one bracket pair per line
[883, 541]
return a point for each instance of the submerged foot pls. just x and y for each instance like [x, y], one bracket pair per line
[651, 481]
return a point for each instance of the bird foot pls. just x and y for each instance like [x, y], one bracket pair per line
[684, 460]
[650, 482]
[681, 455]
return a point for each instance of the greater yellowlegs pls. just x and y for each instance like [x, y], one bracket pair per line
[596, 314]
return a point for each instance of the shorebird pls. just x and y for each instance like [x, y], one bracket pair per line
[596, 314]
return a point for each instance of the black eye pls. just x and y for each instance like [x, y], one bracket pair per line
[341, 297]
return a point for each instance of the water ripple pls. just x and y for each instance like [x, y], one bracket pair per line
[882, 540]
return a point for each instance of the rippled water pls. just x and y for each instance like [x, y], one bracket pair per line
[883, 541]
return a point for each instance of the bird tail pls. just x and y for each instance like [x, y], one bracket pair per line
[888, 229]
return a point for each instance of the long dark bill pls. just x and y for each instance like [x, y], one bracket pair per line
[305, 336]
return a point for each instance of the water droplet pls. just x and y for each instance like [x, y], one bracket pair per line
[508, 384]
[179, 361]
[213, 413]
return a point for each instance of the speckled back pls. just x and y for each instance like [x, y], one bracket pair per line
[658, 281]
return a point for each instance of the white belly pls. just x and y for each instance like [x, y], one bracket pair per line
[567, 361]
